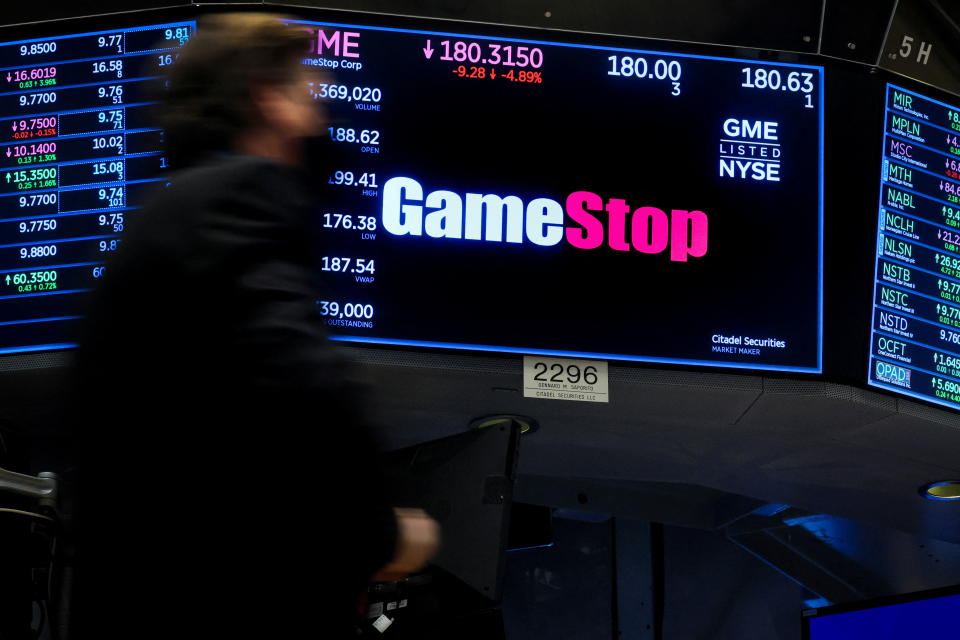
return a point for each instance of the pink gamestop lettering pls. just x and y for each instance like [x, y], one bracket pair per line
[407, 210]
[651, 230]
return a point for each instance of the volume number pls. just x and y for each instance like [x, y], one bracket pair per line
[354, 94]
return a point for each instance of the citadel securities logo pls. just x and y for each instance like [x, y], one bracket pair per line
[444, 214]
[750, 148]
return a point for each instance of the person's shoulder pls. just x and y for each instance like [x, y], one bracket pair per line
[237, 172]
[227, 182]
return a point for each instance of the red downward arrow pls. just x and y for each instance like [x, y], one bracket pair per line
[428, 50]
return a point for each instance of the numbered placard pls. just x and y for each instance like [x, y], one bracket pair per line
[565, 379]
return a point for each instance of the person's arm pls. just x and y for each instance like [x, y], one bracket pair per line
[418, 539]
[259, 241]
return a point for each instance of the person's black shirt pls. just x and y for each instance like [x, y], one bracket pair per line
[227, 483]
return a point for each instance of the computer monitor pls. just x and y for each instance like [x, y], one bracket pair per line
[465, 482]
[925, 615]
[78, 148]
[641, 202]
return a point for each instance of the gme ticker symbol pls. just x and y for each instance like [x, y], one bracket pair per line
[341, 44]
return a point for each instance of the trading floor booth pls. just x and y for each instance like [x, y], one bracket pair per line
[656, 306]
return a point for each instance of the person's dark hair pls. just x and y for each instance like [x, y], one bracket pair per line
[206, 95]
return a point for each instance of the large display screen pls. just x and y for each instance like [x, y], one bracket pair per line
[566, 198]
[76, 147]
[489, 192]
[915, 341]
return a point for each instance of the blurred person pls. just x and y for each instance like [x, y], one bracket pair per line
[227, 481]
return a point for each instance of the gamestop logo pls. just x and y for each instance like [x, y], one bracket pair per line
[585, 222]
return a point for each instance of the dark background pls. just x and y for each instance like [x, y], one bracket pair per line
[730, 593]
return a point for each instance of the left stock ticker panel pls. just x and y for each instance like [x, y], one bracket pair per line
[77, 151]
[561, 198]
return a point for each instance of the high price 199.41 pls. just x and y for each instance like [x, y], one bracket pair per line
[351, 179]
